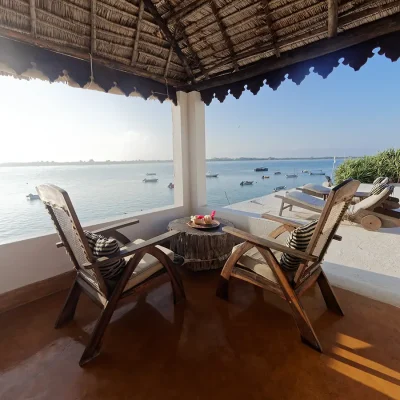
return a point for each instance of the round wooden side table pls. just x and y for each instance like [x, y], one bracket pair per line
[202, 249]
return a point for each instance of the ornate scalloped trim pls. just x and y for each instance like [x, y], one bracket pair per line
[20, 57]
[354, 56]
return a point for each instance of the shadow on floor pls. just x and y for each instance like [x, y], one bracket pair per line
[206, 348]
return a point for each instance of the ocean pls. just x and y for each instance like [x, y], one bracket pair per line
[103, 192]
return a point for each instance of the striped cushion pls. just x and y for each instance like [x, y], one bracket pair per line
[106, 247]
[378, 185]
[298, 239]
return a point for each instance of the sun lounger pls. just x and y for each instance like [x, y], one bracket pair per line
[370, 213]
[301, 200]
[323, 192]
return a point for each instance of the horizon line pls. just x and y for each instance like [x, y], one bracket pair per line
[93, 162]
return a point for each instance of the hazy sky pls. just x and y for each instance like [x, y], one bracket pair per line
[349, 113]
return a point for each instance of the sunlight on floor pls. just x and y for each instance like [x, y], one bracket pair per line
[368, 379]
[350, 342]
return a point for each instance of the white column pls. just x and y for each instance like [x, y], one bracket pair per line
[189, 151]
[197, 150]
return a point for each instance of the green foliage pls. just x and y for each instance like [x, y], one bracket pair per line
[366, 169]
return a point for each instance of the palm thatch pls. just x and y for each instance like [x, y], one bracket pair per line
[184, 43]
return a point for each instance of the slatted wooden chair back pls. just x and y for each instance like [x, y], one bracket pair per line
[69, 229]
[336, 205]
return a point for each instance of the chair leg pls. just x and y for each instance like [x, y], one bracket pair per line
[176, 281]
[281, 209]
[69, 307]
[177, 284]
[307, 333]
[329, 295]
[93, 348]
[223, 283]
[94, 345]
[223, 288]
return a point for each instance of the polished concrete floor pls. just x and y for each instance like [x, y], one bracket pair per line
[203, 349]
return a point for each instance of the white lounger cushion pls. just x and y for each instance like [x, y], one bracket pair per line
[317, 188]
[148, 266]
[306, 199]
[370, 202]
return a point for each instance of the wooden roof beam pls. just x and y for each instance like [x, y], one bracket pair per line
[93, 5]
[333, 7]
[178, 14]
[138, 26]
[168, 62]
[225, 35]
[164, 28]
[270, 27]
[32, 9]
[194, 54]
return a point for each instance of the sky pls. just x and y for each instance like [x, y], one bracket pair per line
[349, 113]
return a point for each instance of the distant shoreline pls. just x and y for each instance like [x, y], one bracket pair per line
[86, 163]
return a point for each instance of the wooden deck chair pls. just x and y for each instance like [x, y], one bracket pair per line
[323, 192]
[372, 215]
[256, 260]
[147, 264]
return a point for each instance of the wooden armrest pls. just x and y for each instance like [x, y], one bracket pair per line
[119, 225]
[291, 223]
[132, 249]
[282, 220]
[109, 229]
[268, 243]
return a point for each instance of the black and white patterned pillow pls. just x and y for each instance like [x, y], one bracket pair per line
[106, 247]
[299, 240]
[378, 185]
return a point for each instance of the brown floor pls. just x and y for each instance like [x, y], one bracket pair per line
[203, 349]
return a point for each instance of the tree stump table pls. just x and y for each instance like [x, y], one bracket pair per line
[202, 249]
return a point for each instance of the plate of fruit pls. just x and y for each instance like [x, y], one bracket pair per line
[203, 221]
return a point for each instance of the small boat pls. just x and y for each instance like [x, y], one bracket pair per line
[210, 175]
[291, 176]
[278, 188]
[171, 186]
[259, 169]
[245, 183]
[146, 180]
[277, 173]
[31, 196]
[151, 173]
[305, 171]
[265, 177]
[317, 173]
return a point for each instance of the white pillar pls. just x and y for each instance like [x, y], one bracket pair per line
[189, 151]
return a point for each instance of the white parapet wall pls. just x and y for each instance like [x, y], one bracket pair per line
[364, 262]
[33, 260]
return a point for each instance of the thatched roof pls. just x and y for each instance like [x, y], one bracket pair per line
[192, 44]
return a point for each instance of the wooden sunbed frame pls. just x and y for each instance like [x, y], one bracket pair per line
[372, 218]
[290, 288]
[292, 202]
[390, 203]
[88, 278]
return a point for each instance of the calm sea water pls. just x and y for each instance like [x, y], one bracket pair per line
[101, 192]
